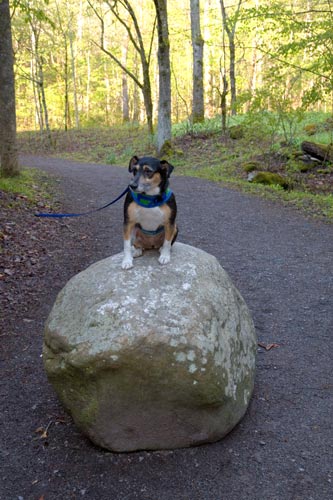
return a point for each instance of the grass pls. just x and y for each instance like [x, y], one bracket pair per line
[200, 150]
[30, 184]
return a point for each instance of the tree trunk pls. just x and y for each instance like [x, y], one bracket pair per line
[35, 84]
[136, 111]
[230, 28]
[164, 102]
[232, 74]
[76, 107]
[147, 99]
[43, 99]
[66, 78]
[108, 107]
[87, 99]
[8, 149]
[38, 118]
[125, 96]
[39, 78]
[198, 113]
[224, 103]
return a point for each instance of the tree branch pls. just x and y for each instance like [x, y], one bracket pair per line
[107, 52]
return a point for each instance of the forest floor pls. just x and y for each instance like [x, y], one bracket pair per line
[281, 261]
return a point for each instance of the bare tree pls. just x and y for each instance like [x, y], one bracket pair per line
[164, 101]
[8, 149]
[64, 26]
[229, 26]
[198, 113]
[137, 42]
[38, 74]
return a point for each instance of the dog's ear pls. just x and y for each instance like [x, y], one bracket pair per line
[134, 161]
[167, 167]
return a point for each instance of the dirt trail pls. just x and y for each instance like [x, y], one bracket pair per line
[281, 262]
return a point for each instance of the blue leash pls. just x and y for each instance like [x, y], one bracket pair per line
[60, 216]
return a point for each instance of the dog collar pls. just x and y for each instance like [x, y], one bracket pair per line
[146, 201]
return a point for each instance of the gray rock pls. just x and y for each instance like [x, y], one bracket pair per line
[156, 357]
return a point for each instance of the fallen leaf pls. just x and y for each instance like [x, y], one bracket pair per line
[43, 432]
[268, 347]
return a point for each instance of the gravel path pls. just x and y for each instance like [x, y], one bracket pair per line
[281, 262]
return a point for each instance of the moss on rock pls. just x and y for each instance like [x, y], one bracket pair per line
[236, 132]
[251, 166]
[270, 178]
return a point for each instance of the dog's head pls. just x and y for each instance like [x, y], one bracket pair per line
[149, 175]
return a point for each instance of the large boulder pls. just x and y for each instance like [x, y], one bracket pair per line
[155, 357]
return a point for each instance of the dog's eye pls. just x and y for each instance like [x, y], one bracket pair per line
[148, 172]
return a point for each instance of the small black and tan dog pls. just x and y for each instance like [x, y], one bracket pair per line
[149, 211]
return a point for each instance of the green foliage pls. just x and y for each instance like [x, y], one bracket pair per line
[209, 126]
[285, 119]
[31, 9]
[284, 59]
[111, 158]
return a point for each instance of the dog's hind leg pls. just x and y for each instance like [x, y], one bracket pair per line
[136, 252]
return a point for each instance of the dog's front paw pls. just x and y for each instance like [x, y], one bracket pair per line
[127, 263]
[164, 258]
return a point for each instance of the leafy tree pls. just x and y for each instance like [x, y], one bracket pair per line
[297, 44]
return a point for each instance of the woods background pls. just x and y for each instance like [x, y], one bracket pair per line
[91, 62]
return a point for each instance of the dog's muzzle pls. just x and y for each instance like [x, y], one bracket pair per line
[135, 181]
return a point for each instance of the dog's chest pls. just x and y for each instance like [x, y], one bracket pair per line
[149, 218]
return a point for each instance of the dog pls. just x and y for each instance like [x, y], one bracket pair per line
[150, 210]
